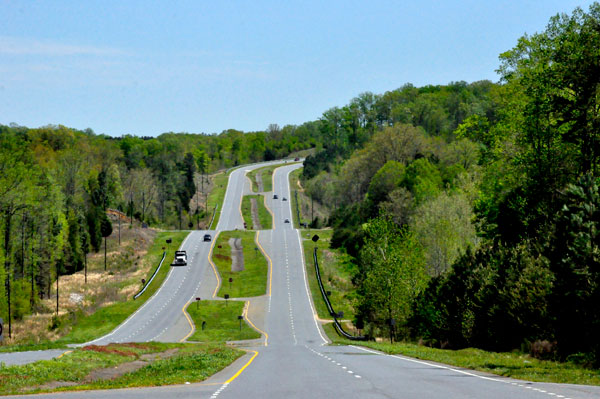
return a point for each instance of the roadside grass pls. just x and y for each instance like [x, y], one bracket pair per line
[252, 281]
[336, 274]
[217, 195]
[222, 323]
[294, 179]
[264, 217]
[74, 371]
[105, 319]
[308, 210]
[507, 364]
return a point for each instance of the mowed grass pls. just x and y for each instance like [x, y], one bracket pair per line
[336, 274]
[188, 362]
[507, 364]
[266, 173]
[294, 178]
[104, 320]
[264, 216]
[217, 195]
[252, 281]
[221, 322]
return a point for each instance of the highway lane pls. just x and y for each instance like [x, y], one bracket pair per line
[297, 364]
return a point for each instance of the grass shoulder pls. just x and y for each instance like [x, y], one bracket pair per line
[336, 274]
[506, 364]
[266, 173]
[220, 321]
[119, 366]
[217, 194]
[252, 280]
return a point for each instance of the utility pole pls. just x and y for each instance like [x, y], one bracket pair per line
[312, 209]
[119, 216]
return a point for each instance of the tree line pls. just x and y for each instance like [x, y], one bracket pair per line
[472, 210]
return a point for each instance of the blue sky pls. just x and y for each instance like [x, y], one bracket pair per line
[148, 67]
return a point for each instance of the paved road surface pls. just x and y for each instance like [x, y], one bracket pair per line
[295, 362]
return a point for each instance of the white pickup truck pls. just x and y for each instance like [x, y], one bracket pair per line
[180, 258]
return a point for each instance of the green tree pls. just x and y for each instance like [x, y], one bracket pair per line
[393, 273]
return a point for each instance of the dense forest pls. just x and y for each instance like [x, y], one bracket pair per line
[472, 210]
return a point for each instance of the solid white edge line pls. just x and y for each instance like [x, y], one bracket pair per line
[408, 359]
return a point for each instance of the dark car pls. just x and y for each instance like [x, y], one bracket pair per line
[275, 196]
[286, 221]
[207, 237]
[284, 199]
[296, 159]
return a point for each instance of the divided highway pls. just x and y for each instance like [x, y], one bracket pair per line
[292, 360]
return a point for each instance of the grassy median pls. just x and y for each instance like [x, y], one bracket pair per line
[221, 322]
[264, 216]
[118, 366]
[252, 281]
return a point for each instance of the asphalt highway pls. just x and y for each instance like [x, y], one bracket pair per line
[293, 360]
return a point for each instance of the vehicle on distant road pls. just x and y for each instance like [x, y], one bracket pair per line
[207, 237]
[275, 196]
[286, 221]
[284, 199]
[180, 258]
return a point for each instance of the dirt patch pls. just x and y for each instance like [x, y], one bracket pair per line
[110, 373]
[254, 212]
[222, 257]
[237, 254]
[108, 349]
[259, 182]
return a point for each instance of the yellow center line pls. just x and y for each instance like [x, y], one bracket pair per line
[192, 327]
[262, 250]
[270, 211]
[245, 316]
[64, 353]
[212, 246]
[236, 375]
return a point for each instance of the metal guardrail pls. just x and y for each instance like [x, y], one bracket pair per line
[136, 296]
[333, 314]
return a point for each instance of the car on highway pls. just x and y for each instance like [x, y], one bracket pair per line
[286, 221]
[284, 199]
[275, 196]
[180, 258]
[296, 159]
[207, 237]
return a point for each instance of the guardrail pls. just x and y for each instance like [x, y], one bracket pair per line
[333, 314]
[136, 296]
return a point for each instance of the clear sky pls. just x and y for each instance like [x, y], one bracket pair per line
[148, 67]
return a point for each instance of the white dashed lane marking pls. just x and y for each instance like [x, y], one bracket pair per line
[333, 361]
